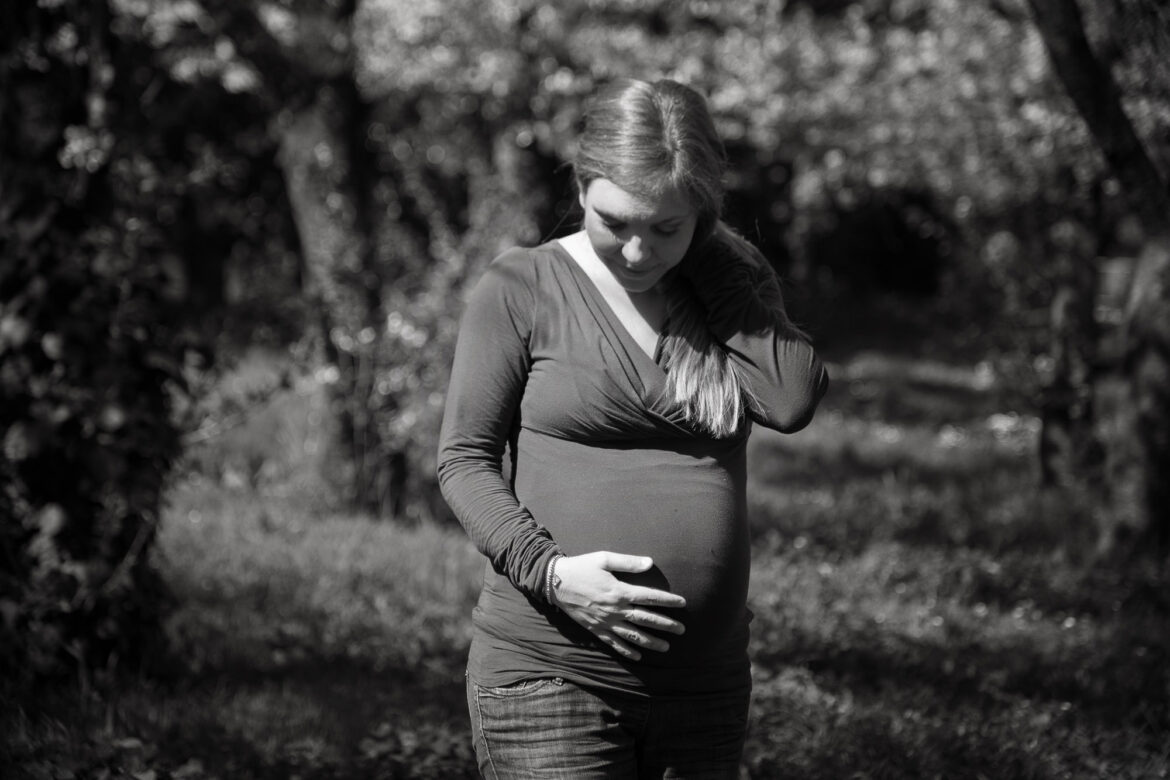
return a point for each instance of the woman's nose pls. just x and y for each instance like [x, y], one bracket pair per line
[635, 250]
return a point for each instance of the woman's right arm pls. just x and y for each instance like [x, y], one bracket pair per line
[483, 398]
[488, 376]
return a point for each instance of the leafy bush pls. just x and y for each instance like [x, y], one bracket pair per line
[85, 368]
[89, 356]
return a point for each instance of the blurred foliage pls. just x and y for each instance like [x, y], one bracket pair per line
[91, 360]
[877, 146]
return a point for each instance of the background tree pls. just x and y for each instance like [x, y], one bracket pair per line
[1097, 96]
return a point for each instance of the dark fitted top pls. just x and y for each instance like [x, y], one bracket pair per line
[602, 461]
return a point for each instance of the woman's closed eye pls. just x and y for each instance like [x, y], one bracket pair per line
[662, 230]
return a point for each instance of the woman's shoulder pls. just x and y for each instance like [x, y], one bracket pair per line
[518, 276]
[528, 260]
[524, 268]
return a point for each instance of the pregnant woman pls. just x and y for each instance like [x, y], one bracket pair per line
[620, 370]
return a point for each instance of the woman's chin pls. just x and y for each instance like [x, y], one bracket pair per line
[640, 283]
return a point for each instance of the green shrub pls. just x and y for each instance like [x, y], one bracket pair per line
[86, 377]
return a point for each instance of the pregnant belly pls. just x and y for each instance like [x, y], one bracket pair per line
[685, 511]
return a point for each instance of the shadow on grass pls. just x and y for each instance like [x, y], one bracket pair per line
[781, 465]
[908, 400]
[328, 717]
[317, 717]
[1118, 681]
[845, 489]
[963, 708]
[797, 738]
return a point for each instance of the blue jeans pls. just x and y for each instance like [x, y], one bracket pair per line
[552, 728]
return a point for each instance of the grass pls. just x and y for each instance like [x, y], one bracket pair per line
[921, 611]
[311, 646]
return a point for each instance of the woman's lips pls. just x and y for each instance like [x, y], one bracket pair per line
[633, 273]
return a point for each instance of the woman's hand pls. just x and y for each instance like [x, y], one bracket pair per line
[614, 611]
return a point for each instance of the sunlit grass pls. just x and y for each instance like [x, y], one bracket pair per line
[305, 642]
[289, 580]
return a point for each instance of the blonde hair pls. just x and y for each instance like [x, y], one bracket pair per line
[649, 139]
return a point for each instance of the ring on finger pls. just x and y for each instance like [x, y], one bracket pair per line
[614, 641]
[639, 618]
[629, 634]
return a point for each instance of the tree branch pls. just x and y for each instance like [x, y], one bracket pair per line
[1093, 91]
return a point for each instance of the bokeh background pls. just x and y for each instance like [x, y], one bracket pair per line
[235, 238]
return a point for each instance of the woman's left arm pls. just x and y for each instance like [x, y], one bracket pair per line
[745, 313]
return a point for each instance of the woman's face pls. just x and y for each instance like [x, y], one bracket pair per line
[639, 241]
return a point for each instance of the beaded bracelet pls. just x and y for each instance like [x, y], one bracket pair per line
[548, 577]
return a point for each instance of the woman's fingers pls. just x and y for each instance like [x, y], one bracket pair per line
[653, 620]
[617, 644]
[623, 616]
[626, 640]
[611, 561]
[641, 638]
[618, 591]
[652, 597]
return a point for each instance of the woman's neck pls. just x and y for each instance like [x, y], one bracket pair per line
[642, 313]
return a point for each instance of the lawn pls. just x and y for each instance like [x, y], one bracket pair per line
[921, 610]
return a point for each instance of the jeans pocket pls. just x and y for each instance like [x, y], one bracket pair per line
[549, 729]
[522, 688]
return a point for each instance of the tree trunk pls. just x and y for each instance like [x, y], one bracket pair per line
[1095, 94]
[1070, 449]
[1147, 365]
[317, 160]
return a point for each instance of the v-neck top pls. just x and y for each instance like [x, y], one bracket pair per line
[600, 459]
[655, 351]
